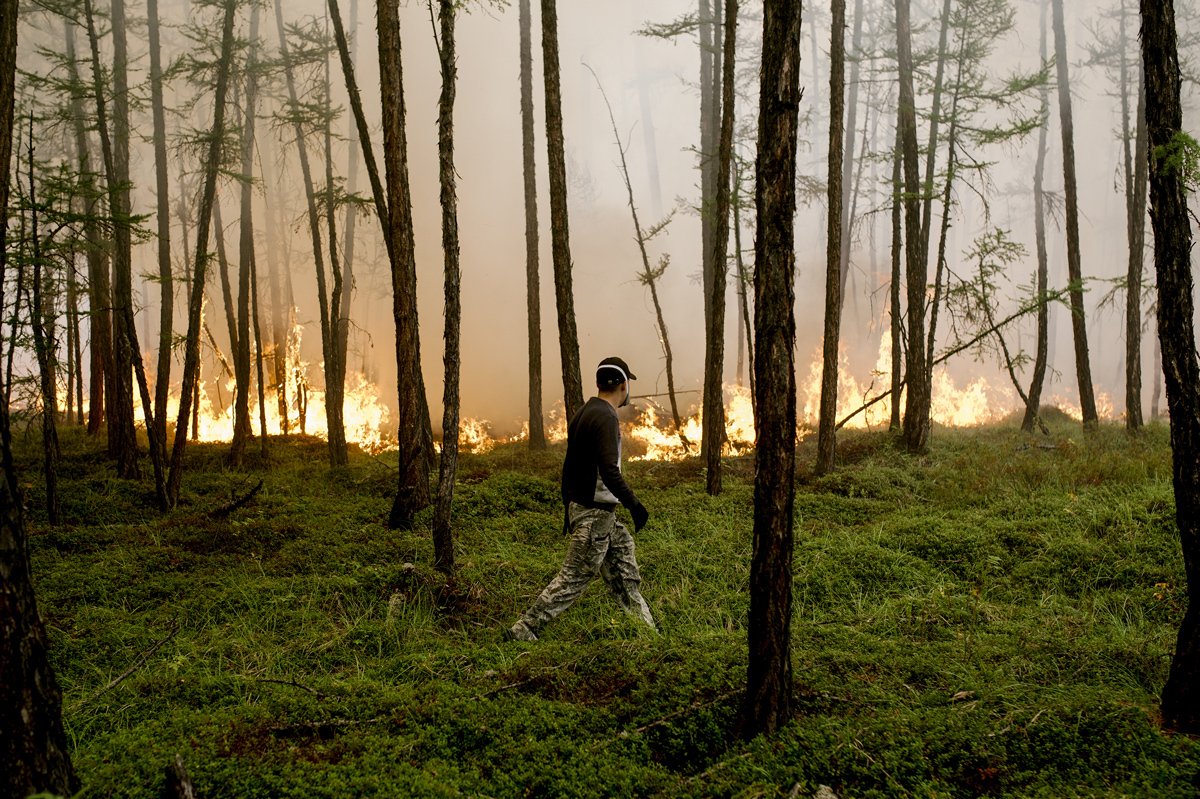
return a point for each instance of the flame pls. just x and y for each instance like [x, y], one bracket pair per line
[662, 443]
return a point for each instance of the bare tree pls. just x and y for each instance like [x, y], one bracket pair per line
[826, 440]
[537, 429]
[162, 377]
[1169, 217]
[1034, 397]
[568, 338]
[768, 703]
[1083, 366]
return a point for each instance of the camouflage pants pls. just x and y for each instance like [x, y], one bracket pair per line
[599, 545]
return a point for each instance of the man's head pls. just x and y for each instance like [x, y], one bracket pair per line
[612, 381]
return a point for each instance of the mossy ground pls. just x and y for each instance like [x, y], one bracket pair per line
[995, 618]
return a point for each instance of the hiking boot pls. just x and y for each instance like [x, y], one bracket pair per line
[520, 632]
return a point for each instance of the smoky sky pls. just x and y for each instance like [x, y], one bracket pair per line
[652, 87]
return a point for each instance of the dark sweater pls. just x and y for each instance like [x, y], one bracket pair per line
[593, 437]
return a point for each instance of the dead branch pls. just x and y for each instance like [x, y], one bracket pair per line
[221, 513]
[136, 665]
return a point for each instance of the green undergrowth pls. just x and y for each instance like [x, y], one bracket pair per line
[994, 618]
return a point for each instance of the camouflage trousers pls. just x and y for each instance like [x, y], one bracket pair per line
[599, 545]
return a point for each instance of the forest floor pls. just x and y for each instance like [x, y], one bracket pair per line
[995, 618]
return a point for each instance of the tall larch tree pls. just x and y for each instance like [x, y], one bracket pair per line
[916, 397]
[568, 338]
[1170, 219]
[412, 492]
[768, 701]
[1083, 365]
[1041, 356]
[533, 302]
[443, 534]
[714, 361]
[833, 242]
[166, 315]
[33, 748]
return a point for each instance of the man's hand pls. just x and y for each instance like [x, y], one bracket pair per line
[640, 516]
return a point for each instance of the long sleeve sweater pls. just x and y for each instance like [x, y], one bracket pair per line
[594, 451]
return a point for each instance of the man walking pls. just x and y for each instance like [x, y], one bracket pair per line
[592, 487]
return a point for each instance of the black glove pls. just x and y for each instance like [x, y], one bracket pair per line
[640, 515]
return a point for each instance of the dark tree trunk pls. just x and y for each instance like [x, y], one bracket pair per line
[241, 345]
[443, 534]
[212, 162]
[708, 100]
[768, 703]
[342, 309]
[836, 203]
[714, 361]
[412, 492]
[917, 399]
[568, 338]
[41, 322]
[849, 193]
[533, 302]
[162, 376]
[1034, 400]
[1169, 217]
[99, 291]
[935, 118]
[1083, 366]
[33, 748]
[335, 364]
[122, 434]
[1136, 167]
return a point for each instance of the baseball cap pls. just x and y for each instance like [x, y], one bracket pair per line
[608, 369]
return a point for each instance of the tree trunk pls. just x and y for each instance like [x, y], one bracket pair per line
[342, 310]
[768, 703]
[896, 327]
[212, 162]
[443, 534]
[917, 399]
[1135, 180]
[934, 122]
[568, 338]
[335, 364]
[412, 492]
[33, 749]
[162, 377]
[1172, 262]
[1033, 404]
[744, 278]
[241, 345]
[1083, 367]
[279, 327]
[849, 194]
[336, 437]
[41, 322]
[714, 361]
[99, 292]
[533, 303]
[834, 240]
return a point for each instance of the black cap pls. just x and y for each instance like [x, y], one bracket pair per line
[608, 370]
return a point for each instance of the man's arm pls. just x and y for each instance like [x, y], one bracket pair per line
[608, 455]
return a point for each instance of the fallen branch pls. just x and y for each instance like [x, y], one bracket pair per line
[137, 665]
[221, 513]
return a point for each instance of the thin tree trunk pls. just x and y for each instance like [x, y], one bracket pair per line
[568, 338]
[834, 241]
[1033, 404]
[279, 329]
[230, 304]
[335, 364]
[99, 291]
[412, 492]
[337, 454]
[744, 279]
[443, 534]
[34, 753]
[917, 399]
[1083, 367]
[649, 276]
[850, 194]
[896, 327]
[348, 224]
[162, 376]
[241, 344]
[714, 362]
[768, 702]
[1172, 262]
[1135, 179]
[191, 361]
[41, 321]
[934, 121]
[533, 303]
